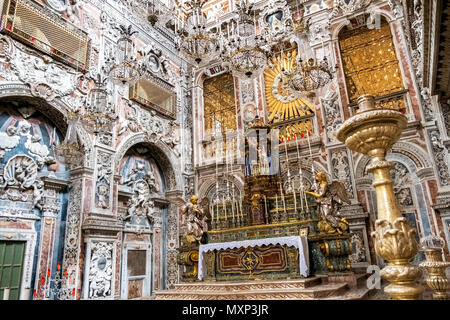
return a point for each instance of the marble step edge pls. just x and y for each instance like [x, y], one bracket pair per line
[318, 292]
[225, 286]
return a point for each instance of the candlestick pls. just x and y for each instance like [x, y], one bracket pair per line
[232, 206]
[282, 198]
[211, 209]
[224, 207]
[242, 211]
[217, 206]
[295, 200]
[276, 203]
[265, 209]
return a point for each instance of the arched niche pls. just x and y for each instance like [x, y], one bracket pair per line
[56, 110]
[34, 184]
[162, 155]
[138, 163]
[149, 214]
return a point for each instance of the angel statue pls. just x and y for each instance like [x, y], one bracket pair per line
[330, 198]
[194, 220]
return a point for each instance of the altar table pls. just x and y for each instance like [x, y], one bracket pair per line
[299, 242]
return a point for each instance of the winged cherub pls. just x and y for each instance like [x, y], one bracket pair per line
[330, 198]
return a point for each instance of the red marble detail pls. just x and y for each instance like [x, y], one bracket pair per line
[137, 237]
[341, 82]
[87, 197]
[16, 225]
[157, 258]
[441, 233]
[79, 272]
[115, 199]
[432, 186]
[362, 199]
[118, 261]
[45, 257]
[408, 78]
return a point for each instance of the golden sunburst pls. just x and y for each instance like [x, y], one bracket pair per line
[282, 103]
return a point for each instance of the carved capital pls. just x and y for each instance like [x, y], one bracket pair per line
[395, 241]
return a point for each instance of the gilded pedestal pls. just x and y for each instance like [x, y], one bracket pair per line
[437, 279]
[373, 132]
[188, 257]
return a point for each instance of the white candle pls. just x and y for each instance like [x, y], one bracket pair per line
[300, 173]
[242, 211]
[295, 199]
[282, 198]
[276, 203]
[265, 209]
[310, 154]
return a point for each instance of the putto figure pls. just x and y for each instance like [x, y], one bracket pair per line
[194, 220]
[330, 198]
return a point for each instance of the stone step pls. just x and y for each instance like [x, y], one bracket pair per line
[316, 292]
[250, 285]
[355, 294]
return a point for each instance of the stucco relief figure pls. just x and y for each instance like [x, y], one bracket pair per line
[130, 122]
[38, 194]
[103, 195]
[20, 171]
[134, 174]
[330, 198]
[100, 273]
[194, 221]
[140, 205]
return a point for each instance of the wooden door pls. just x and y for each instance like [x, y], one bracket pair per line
[11, 262]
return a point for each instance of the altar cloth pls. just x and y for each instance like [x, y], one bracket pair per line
[301, 243]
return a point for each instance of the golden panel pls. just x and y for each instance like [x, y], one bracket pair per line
[370, 62]
[156, 96]
[282, 103]
[219, 102]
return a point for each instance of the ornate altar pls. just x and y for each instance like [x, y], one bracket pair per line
[246, 236]
[268, 258]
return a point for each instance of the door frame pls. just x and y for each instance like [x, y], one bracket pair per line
[147, 283]
[30, 239]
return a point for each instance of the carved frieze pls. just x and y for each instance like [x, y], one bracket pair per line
[440, 155]
[100, 277]
[103, 180]
[346, 7]
[72, 239]
[332, 115]
[340, 169]
[46, 78]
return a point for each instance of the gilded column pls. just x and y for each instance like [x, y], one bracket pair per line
[373, 132]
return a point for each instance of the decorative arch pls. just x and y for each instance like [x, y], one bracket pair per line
[56, 110]
[412, 159]
[388, 15]
[210, 184]
[162, 154]
[415, 155]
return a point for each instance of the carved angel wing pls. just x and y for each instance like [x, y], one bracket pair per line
[338, 189]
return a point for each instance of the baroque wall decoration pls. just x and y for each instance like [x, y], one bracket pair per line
[332, 114]
[82, 222]
[440, 154]
[341, 169]
[101, 270]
